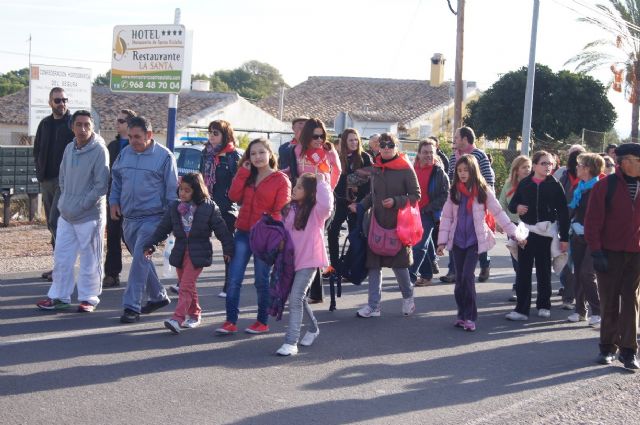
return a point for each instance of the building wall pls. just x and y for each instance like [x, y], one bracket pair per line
[12, 134]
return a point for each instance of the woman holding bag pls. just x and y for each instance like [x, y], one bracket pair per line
[434, 188]
[393, 184]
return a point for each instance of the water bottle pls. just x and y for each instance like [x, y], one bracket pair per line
[167, 269]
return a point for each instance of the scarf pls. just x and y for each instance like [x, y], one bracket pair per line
[211, 161]
[424, 176]
[582, 188]
[318, 157]
[398, 162]
[186, 211]
[462, 188]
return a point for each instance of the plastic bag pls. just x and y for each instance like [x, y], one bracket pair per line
[167, 269]
[409, 226]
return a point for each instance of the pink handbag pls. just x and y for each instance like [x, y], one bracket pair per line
[383, 242]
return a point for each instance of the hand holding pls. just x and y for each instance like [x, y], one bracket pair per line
[247, 165]
[388, 203]
[522, 209]
[115, 212]
[353, 207]
[227, 258]
[564, 246]
[440, 250]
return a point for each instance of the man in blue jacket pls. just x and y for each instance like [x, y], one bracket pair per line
[144, 181]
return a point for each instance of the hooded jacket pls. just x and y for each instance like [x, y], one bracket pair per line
[83, 180]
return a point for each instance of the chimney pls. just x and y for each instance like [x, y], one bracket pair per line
[200, 85]
[437, 70]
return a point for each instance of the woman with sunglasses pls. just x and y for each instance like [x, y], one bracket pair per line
[393, 183]
[351, 188]
[540, 202]
[218, 166]
[316, 155]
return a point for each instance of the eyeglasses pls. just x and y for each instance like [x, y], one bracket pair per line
[546, 164]
[609, 164]
[215, 133]
[318, 136]
[121, 120]
[390, 145]
[59, 100]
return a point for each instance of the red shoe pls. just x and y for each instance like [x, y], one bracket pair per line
[257, 328]
[227, 328]
[86, 307]
[49, 304]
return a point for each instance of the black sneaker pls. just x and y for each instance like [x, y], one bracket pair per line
[152, 306]
[630, 361]
[448, 278]
[129, 316]
[111, 281]
[484, 274]
[605, 358]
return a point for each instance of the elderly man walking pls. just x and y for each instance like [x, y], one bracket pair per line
[144, 181]
[83, 181]
[612, 231]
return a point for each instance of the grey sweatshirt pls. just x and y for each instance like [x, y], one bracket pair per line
[84, 179]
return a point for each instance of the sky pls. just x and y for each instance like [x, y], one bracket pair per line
[303, 38]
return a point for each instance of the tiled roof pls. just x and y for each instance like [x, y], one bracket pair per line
[191, 106]
[379, 99]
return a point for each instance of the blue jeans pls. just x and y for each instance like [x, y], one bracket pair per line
[142, 274]
[237, 269]
[421, 261]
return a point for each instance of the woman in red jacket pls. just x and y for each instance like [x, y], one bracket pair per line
[259, 188]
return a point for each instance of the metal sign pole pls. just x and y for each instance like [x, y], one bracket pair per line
[173, 105]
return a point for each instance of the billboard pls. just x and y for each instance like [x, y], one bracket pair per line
[76, 83]
[148, 58]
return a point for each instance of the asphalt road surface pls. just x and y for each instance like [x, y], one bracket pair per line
[75, 368]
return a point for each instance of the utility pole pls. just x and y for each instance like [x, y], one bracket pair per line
[457, 101]
[173, 104]
[531, 73]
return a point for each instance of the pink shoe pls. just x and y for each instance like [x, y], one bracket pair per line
[469, 326]
[459, 323]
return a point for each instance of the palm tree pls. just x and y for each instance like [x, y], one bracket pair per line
[621, 19]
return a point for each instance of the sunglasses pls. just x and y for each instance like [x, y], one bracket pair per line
[214, 133]
[318, 137]
[389, 145]
[121, 120]
[59, 100]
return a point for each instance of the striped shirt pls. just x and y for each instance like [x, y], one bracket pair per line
[483, 161]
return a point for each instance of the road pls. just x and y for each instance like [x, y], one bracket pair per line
[67, 367]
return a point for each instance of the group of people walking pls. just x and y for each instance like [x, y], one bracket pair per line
[310, 189]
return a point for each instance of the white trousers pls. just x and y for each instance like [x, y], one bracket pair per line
[85, 240]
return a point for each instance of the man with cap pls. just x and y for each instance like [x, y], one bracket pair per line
[612, 231]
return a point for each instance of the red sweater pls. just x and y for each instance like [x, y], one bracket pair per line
[615, 229]
[273, 193]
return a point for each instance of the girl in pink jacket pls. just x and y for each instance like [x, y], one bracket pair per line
[304, 218]
[465, 232]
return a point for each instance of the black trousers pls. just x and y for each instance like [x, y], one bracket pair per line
[113, 261]
[342, 213]
[538, 249]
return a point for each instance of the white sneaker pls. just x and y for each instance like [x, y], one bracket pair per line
[309, 338]
[222, 294]
[543, 312]
[172, 325]
[575, 317]
[594, 321]
[287, 350]
[515, 316]
[191, 323]
[408, 306]
[367, 311]
[567, 306]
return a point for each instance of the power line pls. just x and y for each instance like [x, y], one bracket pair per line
[52, 57]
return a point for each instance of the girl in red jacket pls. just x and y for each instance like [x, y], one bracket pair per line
[259, 188]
